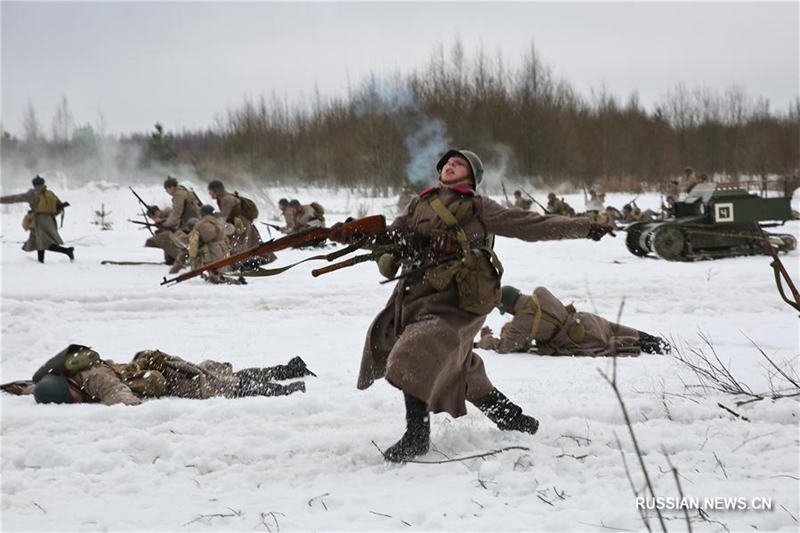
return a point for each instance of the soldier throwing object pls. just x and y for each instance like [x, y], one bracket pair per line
[421, 342]
[40, 221]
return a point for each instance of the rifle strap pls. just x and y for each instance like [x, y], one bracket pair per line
[264, 272]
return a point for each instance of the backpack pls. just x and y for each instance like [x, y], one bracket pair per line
[68, 362]
[248, 207]
[47, 203]
[318, 209]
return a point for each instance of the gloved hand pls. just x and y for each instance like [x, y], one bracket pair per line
[597, 230]
[486, 330]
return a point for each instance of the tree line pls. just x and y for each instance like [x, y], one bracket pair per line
[526, 123]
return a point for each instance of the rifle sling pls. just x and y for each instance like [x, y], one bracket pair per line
[264, 272]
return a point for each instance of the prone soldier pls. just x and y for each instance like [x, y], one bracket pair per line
[77, 374]
[558, 329]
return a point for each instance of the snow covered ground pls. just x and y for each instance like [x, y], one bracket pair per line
[307, 463]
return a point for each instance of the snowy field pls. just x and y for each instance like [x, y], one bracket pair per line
[307, 463]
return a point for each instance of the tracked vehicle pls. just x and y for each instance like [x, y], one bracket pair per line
[714, 221]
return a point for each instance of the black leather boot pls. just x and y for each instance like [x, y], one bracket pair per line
[506, 414]
[40, 255]
[417, 438]
[652, 344]
[248, 387]
[69, 252]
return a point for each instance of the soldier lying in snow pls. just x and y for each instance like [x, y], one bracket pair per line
[78, 375]
[557, 329]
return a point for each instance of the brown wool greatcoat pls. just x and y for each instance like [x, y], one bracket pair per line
[246, 234]
[44, 233]
[172, 241]
[184, 207]
[600, 337]
[211, 233]
[421, 342]
[189, 380]
[306, 217]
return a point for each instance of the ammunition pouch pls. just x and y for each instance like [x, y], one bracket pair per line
[239, 226]
[476, 273]
[477, 278]
[29, 221]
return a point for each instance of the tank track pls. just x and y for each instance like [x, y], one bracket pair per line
[683, 242]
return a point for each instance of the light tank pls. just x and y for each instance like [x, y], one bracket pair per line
[715, 220]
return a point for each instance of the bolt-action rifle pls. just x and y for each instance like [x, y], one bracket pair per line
[355, 231]
[144, 208]
[546, 212]
[508, 202]
[148, 225]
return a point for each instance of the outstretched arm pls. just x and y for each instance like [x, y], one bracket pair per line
[530, 226]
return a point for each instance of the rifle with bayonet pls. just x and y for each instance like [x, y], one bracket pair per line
[355, 231]
[508, 202]
[146, 224]
[543, 208]
[144, 208]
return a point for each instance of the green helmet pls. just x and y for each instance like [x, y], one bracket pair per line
[52, 389]
[508, 296]
[474, 162]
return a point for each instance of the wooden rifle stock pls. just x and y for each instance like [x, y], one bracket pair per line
[342, 264]
[371, 225]
[780, 271]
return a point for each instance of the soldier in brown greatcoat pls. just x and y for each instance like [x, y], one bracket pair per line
[307, 216]
[172, 224]
[522, 203]
[208, 243]
[561, 330]
[230, 210]
[558, 207]
[245, 234]
[172, 241]
[288, 216]
[41, 219]
[78, 375]
[421, 342]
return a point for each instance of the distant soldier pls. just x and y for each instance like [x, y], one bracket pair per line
[172, 241]
[594, 202]
[674, 188]
[308, 216]
[631, 213]
[558, 207]
[668, 208]
[40, 220]
[690, 180]
[522, 203]
[185, 205]
[610, 216]
[556, 329]
[240, 212]
[77, 374]
[208, 243]
[288, 216]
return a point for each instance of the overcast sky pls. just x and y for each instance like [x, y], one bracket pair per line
[185, 63]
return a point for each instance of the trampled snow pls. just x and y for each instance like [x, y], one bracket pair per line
[307, 462]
